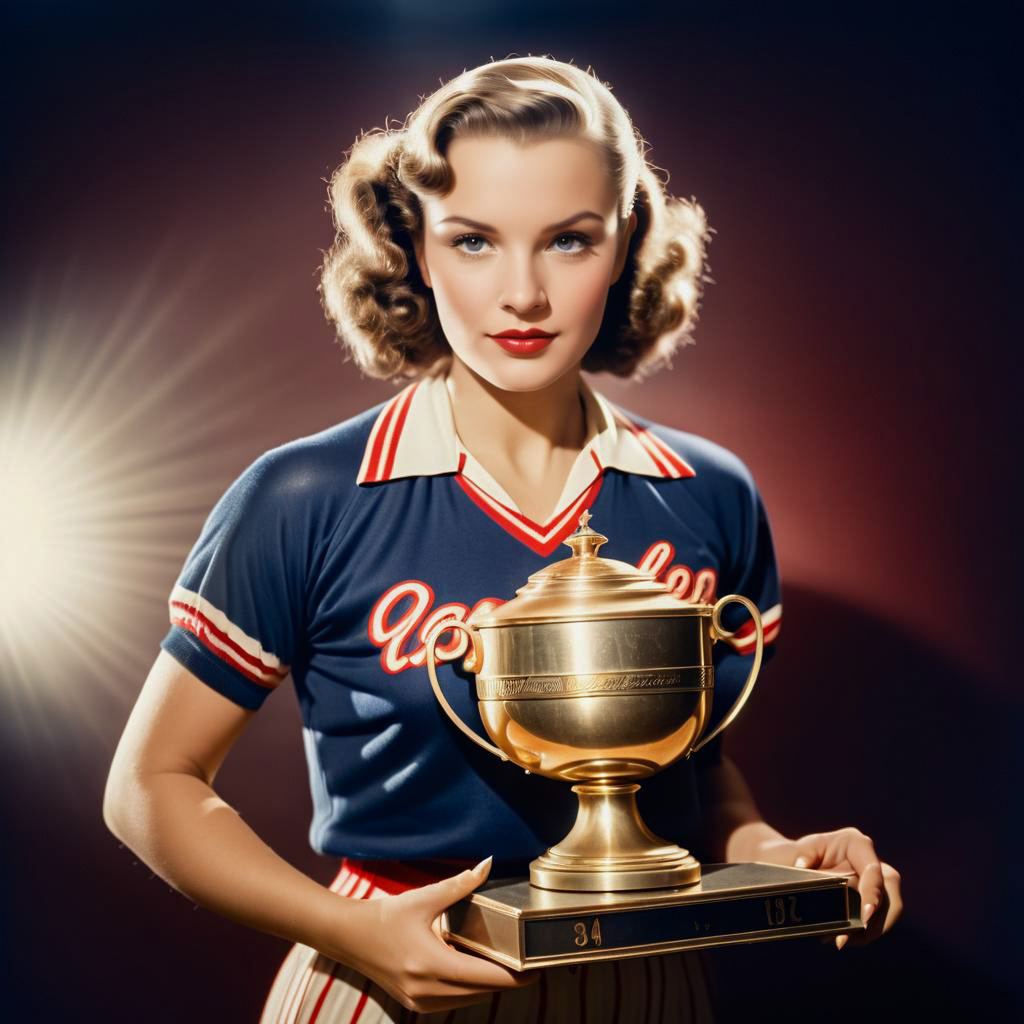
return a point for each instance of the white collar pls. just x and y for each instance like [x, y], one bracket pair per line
[414, 435]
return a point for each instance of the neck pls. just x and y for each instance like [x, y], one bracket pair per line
[522, 427]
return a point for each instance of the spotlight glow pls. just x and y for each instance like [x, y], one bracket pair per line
[44, 548]
[117, 435]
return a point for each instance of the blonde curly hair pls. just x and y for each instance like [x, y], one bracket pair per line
[370, 284]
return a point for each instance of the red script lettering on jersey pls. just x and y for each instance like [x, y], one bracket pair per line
[402, 619]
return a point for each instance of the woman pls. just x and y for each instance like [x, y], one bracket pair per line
[510, 235]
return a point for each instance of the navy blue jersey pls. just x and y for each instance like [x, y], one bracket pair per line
[332, 557]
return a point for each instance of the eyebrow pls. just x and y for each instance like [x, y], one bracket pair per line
[551, 227]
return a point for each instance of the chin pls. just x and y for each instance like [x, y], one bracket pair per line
[526, 374]
[521, 373]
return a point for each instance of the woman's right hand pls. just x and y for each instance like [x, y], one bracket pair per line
[396, 942]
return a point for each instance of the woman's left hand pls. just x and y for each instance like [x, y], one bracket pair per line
[846, 851]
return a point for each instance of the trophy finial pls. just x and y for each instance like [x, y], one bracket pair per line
[585, 541]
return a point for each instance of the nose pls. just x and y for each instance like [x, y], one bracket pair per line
[523, 290]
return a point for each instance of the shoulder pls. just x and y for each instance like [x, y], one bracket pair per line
[715, 468]
[327, 459]
[317, 471]
[721, 494]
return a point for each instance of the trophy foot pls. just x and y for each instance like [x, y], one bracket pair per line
[614, 877]
[610, 849]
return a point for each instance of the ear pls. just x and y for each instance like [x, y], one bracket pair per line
[620, 256]
[421, 260]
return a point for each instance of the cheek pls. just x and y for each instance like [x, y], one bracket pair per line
[457, 294]
[585, 292]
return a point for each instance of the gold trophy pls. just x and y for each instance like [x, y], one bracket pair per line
[595, 674]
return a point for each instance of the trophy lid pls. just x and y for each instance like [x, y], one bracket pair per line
[586, 586]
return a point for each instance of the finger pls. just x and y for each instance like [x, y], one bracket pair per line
[862, 857]
[892, 881]
[436, 928]
[880, 919]
[810, 850]
[439, 896]
[439, 1004]
[806, 861]
[871, 890]
[872, 918]
[445, 988]
[459, 968]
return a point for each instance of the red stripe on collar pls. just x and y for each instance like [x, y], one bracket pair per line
[514, 522]
[668, 463]
[400, 415]
[382, 456]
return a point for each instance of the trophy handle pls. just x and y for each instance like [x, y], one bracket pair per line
[717, 633]
[471, 664]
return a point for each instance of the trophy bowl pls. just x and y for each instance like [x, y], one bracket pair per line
[595, 674]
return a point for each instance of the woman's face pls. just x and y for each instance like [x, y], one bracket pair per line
[526, 240]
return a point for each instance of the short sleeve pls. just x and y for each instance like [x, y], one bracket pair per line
[236, 609]
[753, 573]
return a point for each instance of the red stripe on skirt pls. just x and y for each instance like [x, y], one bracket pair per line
[358, 1012]
[391, 877]
[323, 996]
[394, 876]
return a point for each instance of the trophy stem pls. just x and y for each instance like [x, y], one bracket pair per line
[610, 849]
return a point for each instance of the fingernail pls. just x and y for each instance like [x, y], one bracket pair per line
[841, 941]
[802, 862]
[485, 863]
[866, 912]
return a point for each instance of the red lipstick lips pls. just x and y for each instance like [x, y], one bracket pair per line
[523, 342]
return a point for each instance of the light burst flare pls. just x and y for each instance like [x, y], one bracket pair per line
[115, 441]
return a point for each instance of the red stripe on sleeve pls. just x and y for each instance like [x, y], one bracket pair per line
[244, 655]
[199, 629]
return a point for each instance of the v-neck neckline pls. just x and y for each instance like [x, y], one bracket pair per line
[579, 489]
[413, 435]
[541, 538]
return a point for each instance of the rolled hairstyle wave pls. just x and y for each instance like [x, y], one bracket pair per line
[370, 284]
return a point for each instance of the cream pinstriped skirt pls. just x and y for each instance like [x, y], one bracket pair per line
[312, 989]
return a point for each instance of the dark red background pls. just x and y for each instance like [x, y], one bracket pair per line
[853, 350]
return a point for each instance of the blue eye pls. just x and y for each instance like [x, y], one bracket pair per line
[473, 245]
[572, 236]
[457, 243]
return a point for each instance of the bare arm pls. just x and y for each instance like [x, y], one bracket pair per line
[159, 801]
[734, 829]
